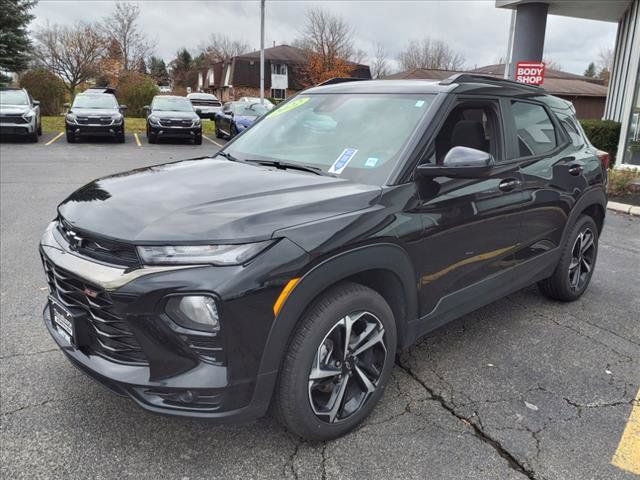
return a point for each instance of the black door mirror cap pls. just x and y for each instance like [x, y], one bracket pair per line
[460, 162]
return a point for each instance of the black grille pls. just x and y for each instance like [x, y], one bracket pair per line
[13, 119]
[110, 335]
[94, 121]
[172, 122]
[205, 103]
[93, 246]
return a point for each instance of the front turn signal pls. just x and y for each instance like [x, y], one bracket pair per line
[283, 295]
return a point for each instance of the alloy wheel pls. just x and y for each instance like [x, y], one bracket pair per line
[582, 258]
[347, 366]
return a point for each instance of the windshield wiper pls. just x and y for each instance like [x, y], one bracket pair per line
[228, 156]
[294, 166]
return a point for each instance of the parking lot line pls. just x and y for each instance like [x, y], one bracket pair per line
[54, 138]
[135, 135]
[627, 456]
[212, 141]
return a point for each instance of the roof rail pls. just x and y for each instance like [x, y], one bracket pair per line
[334, 80]
[478, 78]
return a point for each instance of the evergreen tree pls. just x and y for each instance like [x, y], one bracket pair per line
[14, 39]
[590, 71]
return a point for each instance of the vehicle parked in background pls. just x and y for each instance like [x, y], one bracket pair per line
[267, 102]
[235, 117]
[289, 269]
[95, 114]
[164, 88]
[206, 104]
[19, 114]
[170, 116]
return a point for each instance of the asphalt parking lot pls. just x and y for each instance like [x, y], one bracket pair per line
[523, 388]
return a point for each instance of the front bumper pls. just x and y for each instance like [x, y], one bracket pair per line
[174, 377]
[94, 130]
[17, 128]
[175, 132]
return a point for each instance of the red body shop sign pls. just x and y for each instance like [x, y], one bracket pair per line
[531, 73]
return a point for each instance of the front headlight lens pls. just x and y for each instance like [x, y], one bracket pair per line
[117, 119]
[199, 254]
[71, 118]
[196, 122]
[154, 120]
[195, 312]
[29, 115]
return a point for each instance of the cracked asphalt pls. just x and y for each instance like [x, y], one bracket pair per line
[523, 388]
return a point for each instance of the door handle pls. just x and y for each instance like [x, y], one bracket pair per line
[575, 169]
[508, 184]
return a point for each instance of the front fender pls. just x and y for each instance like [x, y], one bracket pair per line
[382, 256]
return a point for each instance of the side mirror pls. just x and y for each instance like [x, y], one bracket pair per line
[460, 162]
[123, 107]
[36, 102]
[198, 111]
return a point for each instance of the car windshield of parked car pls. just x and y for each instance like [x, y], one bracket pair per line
[244, 109]
[168, 104]
[13, 97]
[95, 101]
[355, 136]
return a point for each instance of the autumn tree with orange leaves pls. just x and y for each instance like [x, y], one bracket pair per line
[327, 40]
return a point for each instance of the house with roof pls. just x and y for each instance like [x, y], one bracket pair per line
[240, 75]
[588, 95]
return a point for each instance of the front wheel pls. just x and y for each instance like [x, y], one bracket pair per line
[233, 131]
[71, 138]
[575, 268]
[337, 364]
[197, 140]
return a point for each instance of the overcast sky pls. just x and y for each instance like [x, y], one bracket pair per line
[476, 29]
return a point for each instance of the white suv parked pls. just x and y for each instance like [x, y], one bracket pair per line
[19, 114]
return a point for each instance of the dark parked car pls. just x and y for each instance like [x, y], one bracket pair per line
[172, 117]
[235, 117]
[293, 265]
[95, 114]
[205, 104]
[19, 114]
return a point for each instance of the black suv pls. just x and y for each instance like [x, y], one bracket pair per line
[171, 116]
[292, 266]
[94, 114]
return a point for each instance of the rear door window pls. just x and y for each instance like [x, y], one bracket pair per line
[535, 131]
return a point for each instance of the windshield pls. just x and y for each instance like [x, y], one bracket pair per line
[13, 97]
[171, 104]
[248, 109]
[356, 136]
[95, 101]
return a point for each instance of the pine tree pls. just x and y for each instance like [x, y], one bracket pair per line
[14, 39]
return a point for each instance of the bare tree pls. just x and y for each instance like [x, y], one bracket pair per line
[430, 53]
[221, 47]
[327, 35]
[605, 58]
[551, 64]
[121, 27]
[380, 67]
[71, 52]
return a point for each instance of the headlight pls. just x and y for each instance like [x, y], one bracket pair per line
[196, 122]
[29, 115]
[154, 120]
[71, 118]
[196, 312]
[117, 119]
[199, 254]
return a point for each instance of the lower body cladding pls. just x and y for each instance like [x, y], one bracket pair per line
[123, 337]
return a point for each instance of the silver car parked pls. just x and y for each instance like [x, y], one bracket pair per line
[19, 114]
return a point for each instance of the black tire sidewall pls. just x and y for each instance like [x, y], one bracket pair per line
[563, 267]
[332, 306]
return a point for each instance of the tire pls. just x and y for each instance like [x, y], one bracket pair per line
[70, 137]
[120, 137]
[218, 132]
[40, 128]
[574, 270]
[151, 137]
[299, 400]
[232, 131]
[33, 137]
[197, 140]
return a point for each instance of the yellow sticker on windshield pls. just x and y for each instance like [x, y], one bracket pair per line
[295, 103]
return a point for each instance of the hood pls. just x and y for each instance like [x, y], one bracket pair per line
[209, 200]
[94, 112]
[174, 114]
[14, 109]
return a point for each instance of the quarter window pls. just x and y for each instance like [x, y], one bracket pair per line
[535, 131]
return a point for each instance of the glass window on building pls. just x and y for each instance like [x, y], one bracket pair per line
[632, 146]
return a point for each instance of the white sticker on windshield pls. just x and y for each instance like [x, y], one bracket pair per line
[371, 162]
[343, 160]
[419, 103]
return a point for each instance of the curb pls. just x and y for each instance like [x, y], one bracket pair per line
[623, 208]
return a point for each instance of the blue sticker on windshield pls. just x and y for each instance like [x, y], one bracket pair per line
[343, 160]
[371, 162]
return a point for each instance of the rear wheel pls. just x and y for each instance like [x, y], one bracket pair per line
[338, 363]
[575, 268]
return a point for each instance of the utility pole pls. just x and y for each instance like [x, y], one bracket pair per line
[262, 51]
[509, 58]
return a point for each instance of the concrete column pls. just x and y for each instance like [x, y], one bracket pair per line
[528, 38]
